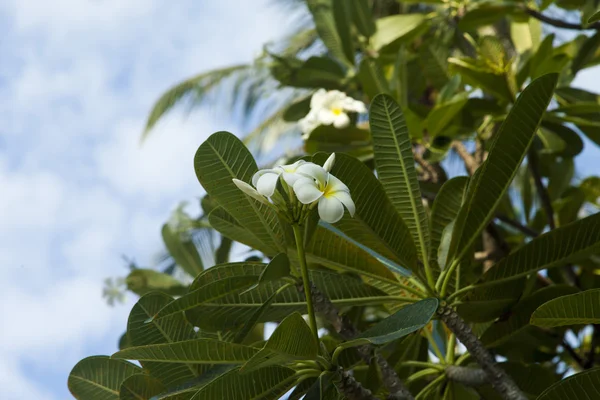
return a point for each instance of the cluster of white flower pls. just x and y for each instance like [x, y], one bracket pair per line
[310, 183]
[330, 107]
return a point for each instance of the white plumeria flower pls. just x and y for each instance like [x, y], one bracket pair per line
[330, 108]
[316, 184]
[250, 191]
[265, 180]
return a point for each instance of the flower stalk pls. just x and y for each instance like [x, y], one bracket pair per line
[312, 320]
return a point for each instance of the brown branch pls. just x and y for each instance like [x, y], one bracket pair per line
[470, 162]
[346, 329]
[517, 225]
[541, 189]
[558, 23]
[472, 377]
[430, 171]
[569, 273]
[499, 379]
[351, 388]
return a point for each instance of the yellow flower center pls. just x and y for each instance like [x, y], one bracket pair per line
[336, 111]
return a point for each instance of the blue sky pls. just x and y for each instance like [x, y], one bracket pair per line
[77, 79]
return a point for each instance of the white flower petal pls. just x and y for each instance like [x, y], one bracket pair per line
[359, 107]
[341, 120]
[330, 209]
[306, 190]
[329, 163]
[335, 185]
[318, 98]
[291, 177]
[345, 199]
[314, 171]
[261, 172]
[326, 116]
[249, 190]
[266, 184]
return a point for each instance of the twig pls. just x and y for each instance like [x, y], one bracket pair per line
[352, 389]
[569, 273]
[432, 173]
[558, 23]
[576, 357]
[470, 162]
[346, 329]
[541, 189]
[499, 380]
[517, 225]
[595, 342]
[472, 377]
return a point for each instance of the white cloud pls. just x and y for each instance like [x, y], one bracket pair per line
[77, 189]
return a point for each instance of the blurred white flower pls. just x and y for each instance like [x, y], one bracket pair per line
[114, 290]
[316, 184]
[330, 108]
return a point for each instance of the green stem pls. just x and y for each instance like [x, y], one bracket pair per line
[421, 364]
[450, 353]
[421, 374]
[434, 345]
[305, 280]
[445, 277]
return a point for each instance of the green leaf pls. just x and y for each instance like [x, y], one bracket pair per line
[140, 387]
[371, 77]
[489, 303]
[229, 227]
[554, 248]
[195, 87]
[586, 53]
[363, 18]
[167, 330]
[206, 294]
[486, 14]
[221, 158]
[375, 223]
[584, 385]
[350, 140]
[404, 321]
[291, 340]
[268, 383]
[443, 114]
[249, 325]
[571, 142]
[481, 77]
[445, 209]
[323, 16]
[141, 281]
[277, 268]
[99, 377]
[297, 110]
[197, 351]
[235, 309]
[594, 18]
[184, 252]
[531, 379]
[487, 188]
[396, 167]
[521, 314]
[316, 72]
[342, 13]
[396, 29]
[580, 308]
[434, 61]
